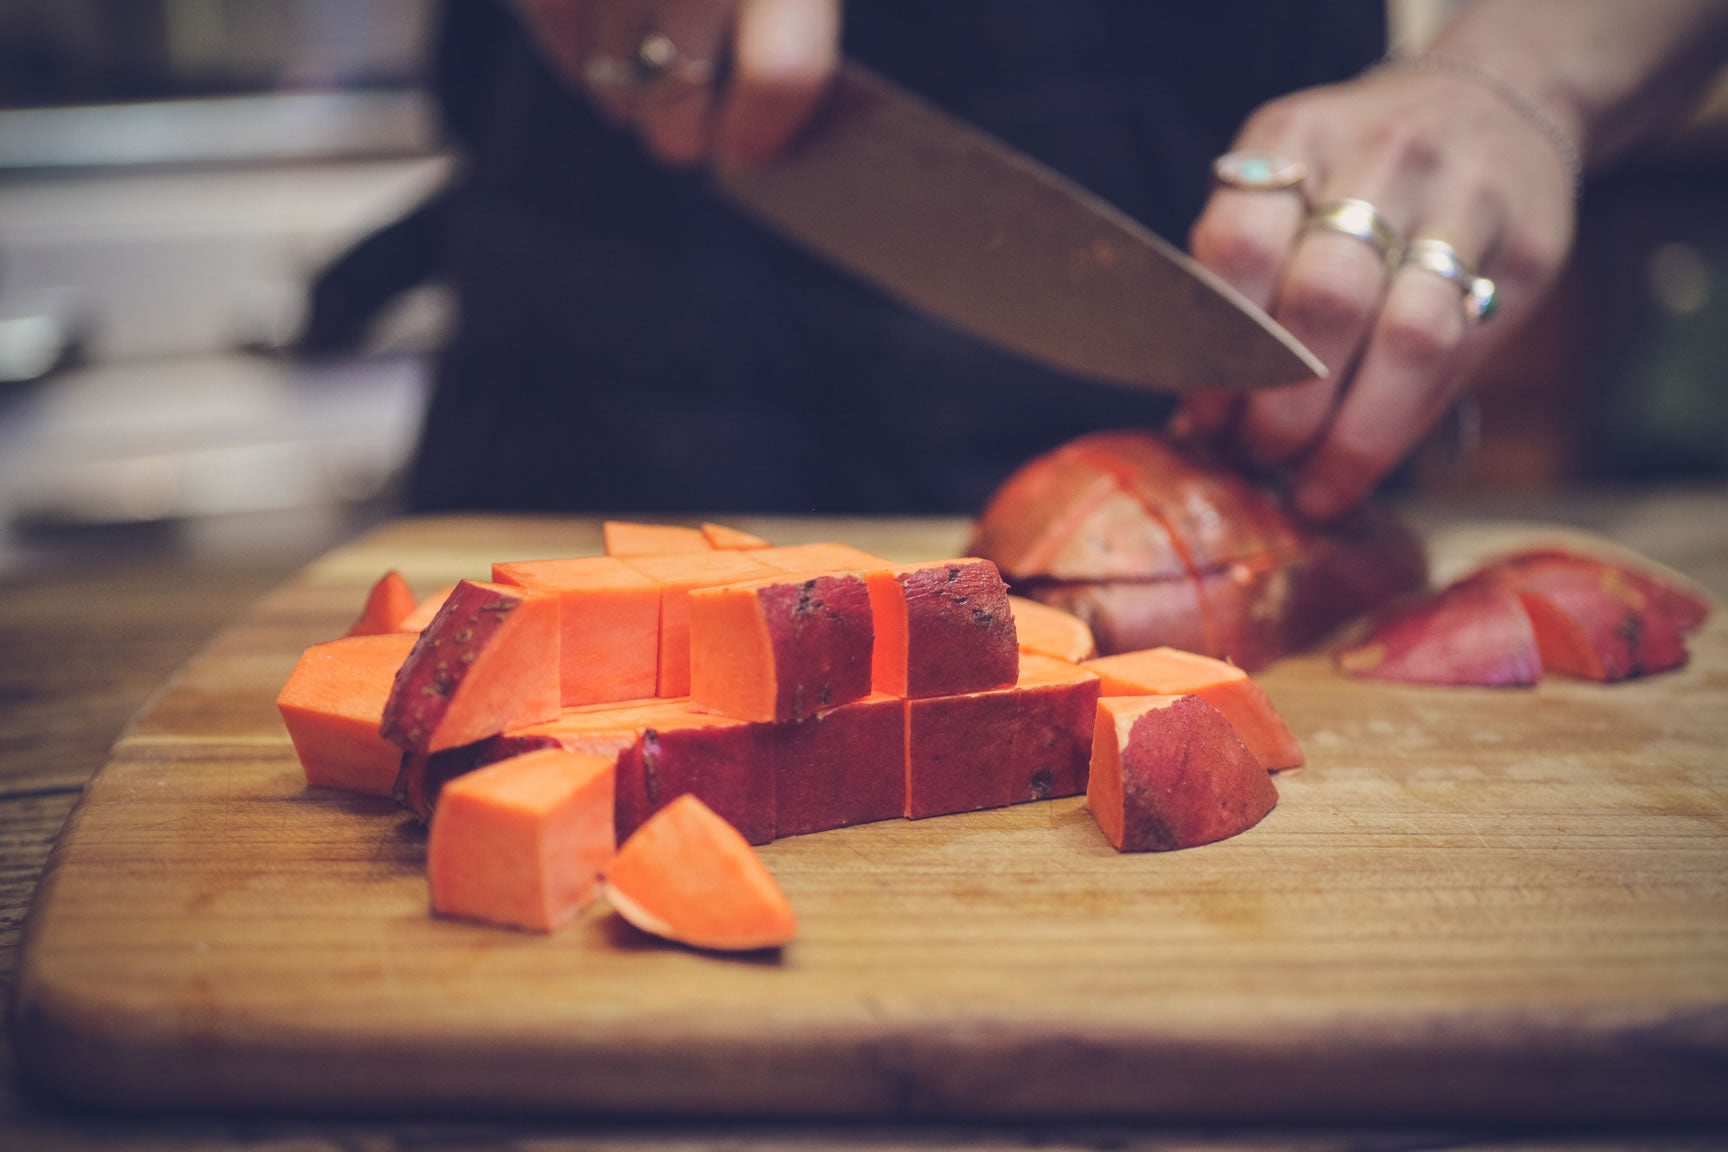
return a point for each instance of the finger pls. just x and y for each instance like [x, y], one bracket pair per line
[1413, 366]
[675, 113]
[609, 35]
[560, 29]
[784, 54]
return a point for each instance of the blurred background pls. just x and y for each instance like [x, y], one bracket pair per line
[174, 175]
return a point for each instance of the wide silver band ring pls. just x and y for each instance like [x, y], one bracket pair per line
[1440, 258]
[1361, 220]
[1258, 170]
[656, 59]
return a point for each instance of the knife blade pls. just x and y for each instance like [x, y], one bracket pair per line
[969, 230]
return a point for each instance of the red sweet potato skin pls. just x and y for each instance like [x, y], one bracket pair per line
[1593, 626]
[821, 636]
[959, 629]
[841, 767]
[730, 767]
[1474, 632]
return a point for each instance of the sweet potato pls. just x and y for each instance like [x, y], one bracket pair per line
[522, 842]
[842, 766]
[628, 539]
[719, 536]
[1050, 631]
[823, 556]
[1171, 672]
[1598, 627]
[780, 649]
[687, 875]
[1474, 632]
[332, 706]
[1170, 772]
[942, 628]
[425, 610]
[487, 662]
[728, 763]
[677, 575]
[609, 638]
[388, 605]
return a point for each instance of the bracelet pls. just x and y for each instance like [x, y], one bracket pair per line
[1528, 109]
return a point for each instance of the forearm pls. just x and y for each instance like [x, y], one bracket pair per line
[1608, 73]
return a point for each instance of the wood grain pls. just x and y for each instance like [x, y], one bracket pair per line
[1472, 903]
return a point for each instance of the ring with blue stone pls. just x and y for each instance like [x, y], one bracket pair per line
[1440, 258]
[1257, 170]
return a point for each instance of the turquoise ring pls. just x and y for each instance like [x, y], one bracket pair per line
[1257, 170]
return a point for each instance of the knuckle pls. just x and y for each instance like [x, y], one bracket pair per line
[1332, 306]
[1236, 252]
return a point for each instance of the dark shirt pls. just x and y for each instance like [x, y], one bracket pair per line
[629, 343]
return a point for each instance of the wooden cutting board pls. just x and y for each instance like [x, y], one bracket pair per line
[1471, 903]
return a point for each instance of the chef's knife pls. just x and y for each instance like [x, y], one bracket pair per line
[965, 228]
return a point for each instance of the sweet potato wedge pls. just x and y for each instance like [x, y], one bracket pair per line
[1050, 631]
[333, 705]
[389, 605]
[1474, 632]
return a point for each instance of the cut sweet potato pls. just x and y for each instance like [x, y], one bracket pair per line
[388, 605]
[779, 649]
[687, 875]
[719, 536]
[942, 628]
[1123, 614]
[333, 705]
[728, 763]
[1597, 626]
[1171, 672]
[628, 539]
[1474, 632]
[1170, 772]
[823, 556]
[522, 842]
[424, 611]
[609, 646]
[677, 575]
[1685, 608]
[486, 663]
[1030, 741]
[841, 767]
[1051, 631]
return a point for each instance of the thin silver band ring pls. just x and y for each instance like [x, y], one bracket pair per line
[1362, 221]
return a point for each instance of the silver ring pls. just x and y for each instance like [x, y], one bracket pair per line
[1442, 259]
[1359, 219]
[1257, 170]
[656, 59]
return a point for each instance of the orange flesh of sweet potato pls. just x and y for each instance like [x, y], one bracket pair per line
[688, 876]
[609, 636]
[1050, 631]
[388, 605]
[332, 706]
[628, 539]
[720, 536]
[780, 649]
[1170, 672]
[424, 611]
[522, 842]
[677, 575]
[486, 663]
[1169, 772]
[823, 556]
[954, 634]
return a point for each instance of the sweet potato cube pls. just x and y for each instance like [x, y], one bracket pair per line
[722, 537]
[841, 767]
[1172, 672]
[522, 842]
[1030, 741]
[677, 575]
[332, 706]
[824, 556]
[1169, 772]
[626, 538]
[942, 629]
[728, 763]
[1473, 632]
[609, 639]
[487, 662]
[388, 605]
[780, 649]
[688, 876]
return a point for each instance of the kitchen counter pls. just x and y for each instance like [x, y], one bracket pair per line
[81, 651]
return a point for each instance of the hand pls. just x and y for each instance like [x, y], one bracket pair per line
[1440, 155]
[738, 78]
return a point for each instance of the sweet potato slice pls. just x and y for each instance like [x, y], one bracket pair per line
[942, 628]
[1685, 608]
[609, 638]
[1171, 672]
[1473, 632]
[522, 842]
[720, 536]
[780, 649]
[627, 538]
[487, 662]
[332, 706]
[1169, 772]
[688, 876]
[388, 605]
[1597, 626]
[1051, 631]
[677, 575]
